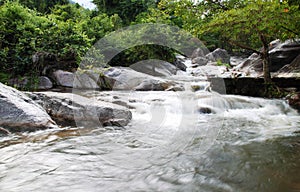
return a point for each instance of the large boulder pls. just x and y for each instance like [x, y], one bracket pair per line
[93, 79]
[250, 66]
[63, 78]
[283, 54]
[44, 83]
[125, 78]
[72, 109]
[198, 53]
[281, 57]
[19, 113]
[155, 68]
[219, 55]
[293, 67]
[39, 83]
[129, 79]
[200, 61]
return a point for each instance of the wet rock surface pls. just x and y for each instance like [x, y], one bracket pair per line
[76, 110]
[18, 113]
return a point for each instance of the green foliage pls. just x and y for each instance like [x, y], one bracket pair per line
[246, 25]
[98, 26]
[43, 6]
[21, 35]
[255, 25]
[184, 14]
[72, 12]
[67, 32]
[4, 77]
[273, 91]
[143, 52]
[126, 9]
[220, 63]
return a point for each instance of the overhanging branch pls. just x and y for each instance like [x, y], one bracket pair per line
[243, 46]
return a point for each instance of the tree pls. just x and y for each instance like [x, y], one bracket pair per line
[43, 6]
[260, 22]
[126, 9]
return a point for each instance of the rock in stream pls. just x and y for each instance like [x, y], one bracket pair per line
[18, 113]
[76, 110]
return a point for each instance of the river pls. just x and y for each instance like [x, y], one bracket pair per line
[176, 141]
[247, 144]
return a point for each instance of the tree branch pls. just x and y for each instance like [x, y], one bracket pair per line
[219, 4]
[289, 30]
[243, 46]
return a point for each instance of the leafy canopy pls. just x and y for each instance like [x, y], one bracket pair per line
[246, 26]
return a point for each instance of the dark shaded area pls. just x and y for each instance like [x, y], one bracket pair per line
[253, 86]
[140, 53]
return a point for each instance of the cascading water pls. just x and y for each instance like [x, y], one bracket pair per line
[195, 140]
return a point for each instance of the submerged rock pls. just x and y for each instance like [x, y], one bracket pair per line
[205, 110]
[19, 113]
[72, 109]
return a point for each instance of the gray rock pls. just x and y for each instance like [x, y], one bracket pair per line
[283, 54]
[20, 83]
[19, 113]
[293, 67]
[125, 78]
[200, 61]
[63, 78]
[254, 64]
[155, 68]
[93, 79]
[72, 109]
[198, 53]
[179, 63]
[44, 83]
[219, 55]
[284, 58]
[153, 85]
[128, 79]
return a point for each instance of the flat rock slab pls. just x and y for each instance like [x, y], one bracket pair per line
[18, 113]
[76, 110]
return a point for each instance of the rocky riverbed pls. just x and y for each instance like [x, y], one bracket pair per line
[31, 111]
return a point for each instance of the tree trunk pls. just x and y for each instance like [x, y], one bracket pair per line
[266, 66]
[266, 59]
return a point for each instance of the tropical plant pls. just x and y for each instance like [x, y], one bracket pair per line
[257, 24]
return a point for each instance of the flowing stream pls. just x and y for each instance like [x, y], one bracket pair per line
[176, 141]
